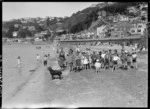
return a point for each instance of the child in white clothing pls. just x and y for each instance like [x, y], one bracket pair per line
[115, 62]
[19, 61]
[97, 66]
[85, 62]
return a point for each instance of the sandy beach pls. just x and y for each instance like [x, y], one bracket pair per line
[31, 86]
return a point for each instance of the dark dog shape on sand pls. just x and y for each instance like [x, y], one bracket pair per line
[54, 73]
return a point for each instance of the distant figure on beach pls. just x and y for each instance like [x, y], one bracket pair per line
[77, 49]
[43, 52]
[45, 60]
[38, 57]
[19, 61]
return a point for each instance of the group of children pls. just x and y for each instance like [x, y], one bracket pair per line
[77, 60]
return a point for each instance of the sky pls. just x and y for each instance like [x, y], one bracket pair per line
[14, 10]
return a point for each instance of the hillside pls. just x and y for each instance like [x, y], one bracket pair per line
[86, 19]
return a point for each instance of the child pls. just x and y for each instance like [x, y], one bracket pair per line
[70, 60]
[78, 61]
[115, 62]
[123, 60]
[103, 58]
[94, 57]
[85, 62]
[106, 61]
[77, 49]
[129, 60]
[97, 66]
[90, 62]
[134, 59]
[37, 57]
[19, 61]
[82, 60]
[110, 58]
[45, 60]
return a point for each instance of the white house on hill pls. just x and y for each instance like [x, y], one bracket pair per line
[101, 31]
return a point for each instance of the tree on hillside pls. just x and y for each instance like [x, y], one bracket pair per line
[47, 22]
[9, 34]
[23, 33]
[39, 28]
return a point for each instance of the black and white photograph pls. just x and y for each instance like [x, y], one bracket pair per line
[74, 54]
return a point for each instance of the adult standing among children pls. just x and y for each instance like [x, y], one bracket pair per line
[71, 60]
[61, 59]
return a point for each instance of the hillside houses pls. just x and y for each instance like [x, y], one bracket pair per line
[143, 6]
[101, 31]
[31, 28]
[132, 9]
[139, 28]
[119, 17]
[121, 29]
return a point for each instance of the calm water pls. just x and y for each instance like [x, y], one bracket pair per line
[12, 76]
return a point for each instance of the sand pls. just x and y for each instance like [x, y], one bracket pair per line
[25, 88]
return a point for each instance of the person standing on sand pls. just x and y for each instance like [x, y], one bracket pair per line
[77, 49]
[134, 59]
[103, 58]
[19, 61]
[85, 61]
[45, 60]
[115, 62]
[77, 61]
[110, 56]
[37, 57]
[94, 57]
[71, 59]
[123, 60]
[129, 60]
